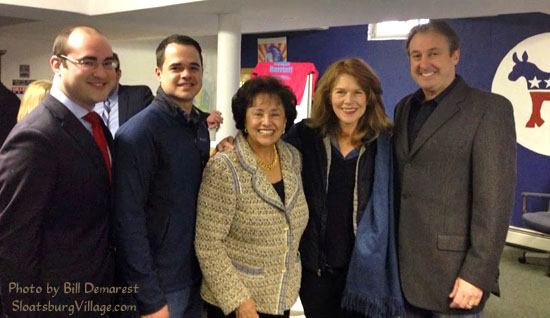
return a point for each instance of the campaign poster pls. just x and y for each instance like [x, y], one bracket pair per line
[272, 50]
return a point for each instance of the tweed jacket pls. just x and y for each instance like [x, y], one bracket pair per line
[455, 195]
[246, 238]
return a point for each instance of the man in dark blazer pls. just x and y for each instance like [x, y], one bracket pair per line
[9, 106]
[54, 190]
[455, 150]
[123, 102]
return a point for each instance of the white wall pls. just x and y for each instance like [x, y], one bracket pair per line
[137, 62]
[33, 52]
[92, 7]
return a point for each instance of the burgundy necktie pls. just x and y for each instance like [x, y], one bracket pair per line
[99, 137]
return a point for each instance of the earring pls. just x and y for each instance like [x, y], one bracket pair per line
[245, 131]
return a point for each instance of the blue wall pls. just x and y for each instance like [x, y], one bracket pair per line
[484, 42]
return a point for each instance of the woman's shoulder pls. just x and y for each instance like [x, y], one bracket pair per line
[384, 139]
[290, 154]
[291, 148]
[304, 126]
[222, 163]
[302, 133]
[225, 157]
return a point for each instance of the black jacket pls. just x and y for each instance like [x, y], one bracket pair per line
[54, 211]
[131, 100]
[9, 106]
[315, 171]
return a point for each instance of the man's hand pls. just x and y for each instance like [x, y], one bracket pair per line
[247, 310]
[161, 313]
[214, 120]
[465, 295]
[224, 144]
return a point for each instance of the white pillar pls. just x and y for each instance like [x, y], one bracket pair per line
[229, 70]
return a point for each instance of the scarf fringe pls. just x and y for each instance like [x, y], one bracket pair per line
[376, 307]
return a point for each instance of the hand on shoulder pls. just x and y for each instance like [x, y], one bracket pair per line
[225, 144]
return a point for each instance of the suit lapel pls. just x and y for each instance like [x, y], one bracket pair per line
[108, 137]
[260, 183]
[80, 135]
[290, 176]
[402, 135]
[122, 105]
[448, 107]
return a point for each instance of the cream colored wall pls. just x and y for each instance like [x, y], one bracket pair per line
[95, 6]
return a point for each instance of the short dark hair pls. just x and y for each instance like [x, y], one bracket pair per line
[115, 57]
[262, 85]
[179, 39]
[60, 43]
[437, 26]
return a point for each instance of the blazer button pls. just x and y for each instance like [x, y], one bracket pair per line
[283, 270]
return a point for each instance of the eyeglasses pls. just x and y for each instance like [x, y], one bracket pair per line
[91, 63]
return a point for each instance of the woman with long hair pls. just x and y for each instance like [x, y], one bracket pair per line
[348, 248]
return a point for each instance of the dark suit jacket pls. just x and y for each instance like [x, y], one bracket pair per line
[132, 100]
[55, 204]
[455, 191]
[9, 106]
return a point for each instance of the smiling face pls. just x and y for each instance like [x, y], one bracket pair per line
[85, 86]
[265, 121]
[349, 101]
[432, 64]
[181, 74]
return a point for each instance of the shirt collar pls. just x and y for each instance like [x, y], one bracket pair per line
[113, 97]
[334, 143]
[419, 94]
[76, 109]
[175, 109]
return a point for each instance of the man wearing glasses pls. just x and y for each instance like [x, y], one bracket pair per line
[55, 175]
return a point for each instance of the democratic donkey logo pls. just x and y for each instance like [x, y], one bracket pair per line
[538, 85]
[523, 77]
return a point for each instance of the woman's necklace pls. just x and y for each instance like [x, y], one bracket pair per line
[269, 166]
